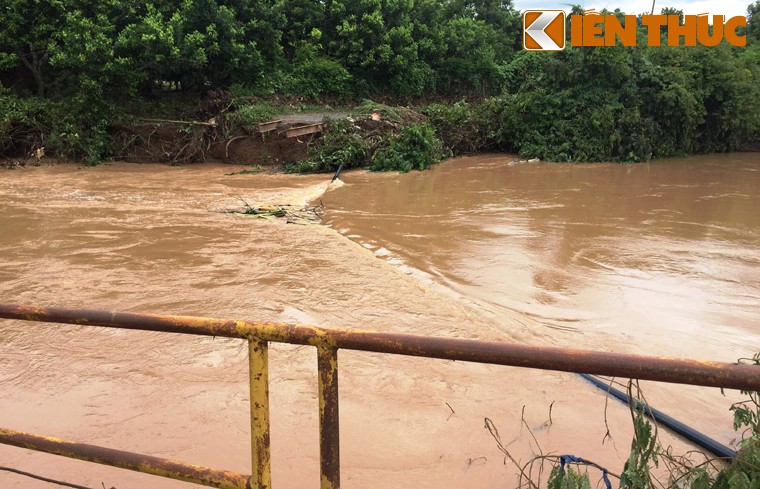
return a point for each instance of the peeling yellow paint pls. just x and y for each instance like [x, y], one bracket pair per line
[328, 341]
[126, 460]
[258, 360]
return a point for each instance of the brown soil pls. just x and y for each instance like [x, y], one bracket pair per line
[258, 149]
[204, 141]
[196, 142]
[178, 144]
[162, 143]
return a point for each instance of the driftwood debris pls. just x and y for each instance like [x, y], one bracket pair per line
[38, 153]
[210, 123]
[290, 213]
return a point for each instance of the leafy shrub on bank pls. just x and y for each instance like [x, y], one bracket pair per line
[22, 124]
[250, 115]
[464, 128]
[309, 79]
[620, 104]
[341, 144]
[415, 148]
[72, 128]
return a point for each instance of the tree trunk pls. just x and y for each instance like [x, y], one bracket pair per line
[35, 63]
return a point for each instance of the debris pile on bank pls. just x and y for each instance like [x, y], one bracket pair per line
[290, 213]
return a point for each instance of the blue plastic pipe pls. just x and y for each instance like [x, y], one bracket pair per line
[663, 419]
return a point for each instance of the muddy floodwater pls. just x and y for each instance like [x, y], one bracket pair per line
[658, 258]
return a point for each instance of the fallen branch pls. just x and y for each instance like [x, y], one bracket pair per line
[495, 433]
[44, 479]
[291, 213]
[227, 146]
[210, 123]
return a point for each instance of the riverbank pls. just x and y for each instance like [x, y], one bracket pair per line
[289, 135]
[142, 238]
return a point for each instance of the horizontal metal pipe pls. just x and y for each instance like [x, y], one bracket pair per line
[127, 460]
[679, 371]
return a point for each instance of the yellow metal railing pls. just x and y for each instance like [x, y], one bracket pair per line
[328, 342]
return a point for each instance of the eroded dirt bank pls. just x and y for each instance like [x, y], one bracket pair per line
[141, 238]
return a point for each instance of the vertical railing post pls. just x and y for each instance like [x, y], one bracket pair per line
[258, 363]
[329, 433]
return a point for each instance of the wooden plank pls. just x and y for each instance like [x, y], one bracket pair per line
[303, 130]
[269, 126]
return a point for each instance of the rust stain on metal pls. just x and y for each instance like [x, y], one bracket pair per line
[711, 374]
[328, 341]
[329, 419]
[127, 460]
[258, 359]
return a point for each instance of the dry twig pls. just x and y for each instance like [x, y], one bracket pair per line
[44, 479]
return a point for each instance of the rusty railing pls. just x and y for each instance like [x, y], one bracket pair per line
[328, 342]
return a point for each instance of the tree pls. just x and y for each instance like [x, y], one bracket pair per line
[753, 22]
[28, 26]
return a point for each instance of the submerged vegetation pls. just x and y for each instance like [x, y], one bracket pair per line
[693, 470]
[75, 74]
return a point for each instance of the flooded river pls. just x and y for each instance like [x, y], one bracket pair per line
[658, 259]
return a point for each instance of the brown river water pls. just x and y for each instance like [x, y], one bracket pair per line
[657, 258]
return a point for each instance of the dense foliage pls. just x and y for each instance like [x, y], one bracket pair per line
[415, 148]
[631, 104]
[300, 46]
[71, 70]
[341, 145]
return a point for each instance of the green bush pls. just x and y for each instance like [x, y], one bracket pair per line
[23, 124]
[621, 104]
[71, 128]
[341, 144]
[275, 82]
[415, 148]
[463, 128]
[321, 76]
[249, 116]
